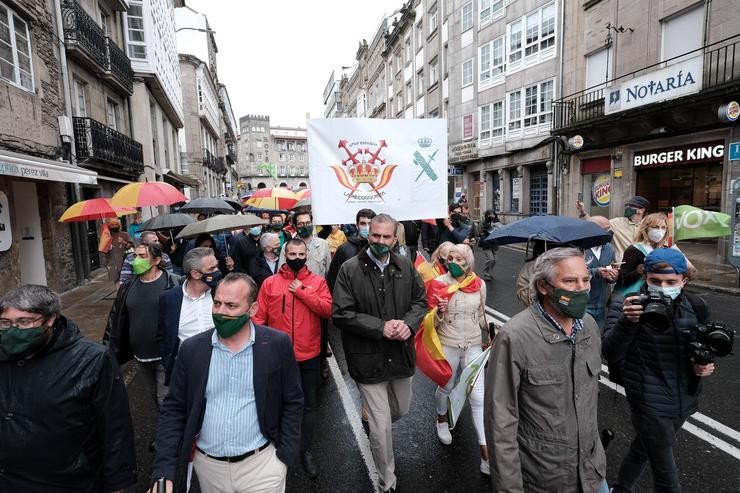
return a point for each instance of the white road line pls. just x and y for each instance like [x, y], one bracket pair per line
[354, 420]
[691, 428]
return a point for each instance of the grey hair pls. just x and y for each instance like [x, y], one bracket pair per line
[467, 254]
[232, 277]
[147, 233]
[545, 265]
[384, 218]
[438, 252]
[32, 298]
[267, 239]
[194, 259]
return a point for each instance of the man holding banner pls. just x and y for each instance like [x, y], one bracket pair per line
[378, 303]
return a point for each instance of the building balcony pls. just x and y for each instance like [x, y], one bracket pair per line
[231, 157]
[96, 142]
[88, 43]
[209, 160]
[646, 105]
[220, 166]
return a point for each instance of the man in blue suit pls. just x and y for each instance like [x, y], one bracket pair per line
[249, 430]
[599, 260]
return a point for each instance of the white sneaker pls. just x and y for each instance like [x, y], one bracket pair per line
[443, 433]
[485, 467]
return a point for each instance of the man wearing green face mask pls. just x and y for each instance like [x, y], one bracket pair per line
[67, 425]
[544, 375]
[250, 429]
[318, 257]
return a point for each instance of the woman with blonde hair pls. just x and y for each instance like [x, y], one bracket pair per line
[459, 298]
[653, 232]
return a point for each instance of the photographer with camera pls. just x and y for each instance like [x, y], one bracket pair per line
[647, 340]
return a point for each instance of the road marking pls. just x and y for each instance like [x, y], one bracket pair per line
[690, 427]
[355, 422]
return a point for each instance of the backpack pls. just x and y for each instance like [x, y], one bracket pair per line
[701, 312]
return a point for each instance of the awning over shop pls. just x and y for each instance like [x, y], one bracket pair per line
[38, 168]
[177, 179]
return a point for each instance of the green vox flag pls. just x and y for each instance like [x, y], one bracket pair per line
[270, 168]
[692, 222]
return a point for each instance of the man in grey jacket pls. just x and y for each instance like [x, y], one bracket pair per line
[378, 304]
[542, 386]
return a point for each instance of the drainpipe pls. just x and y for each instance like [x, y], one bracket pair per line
[79, 245]
[561, 71]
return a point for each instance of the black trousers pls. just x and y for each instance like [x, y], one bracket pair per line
[310, 381]
[653, 444]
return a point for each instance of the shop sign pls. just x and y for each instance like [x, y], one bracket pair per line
[688, 154]
[575, 142]
[601, 190]
[454, 171]
[463, 152]
[468, 126]
[6, 239]
[729, 112]
[617, 172]
[734, 151]
[670, 82]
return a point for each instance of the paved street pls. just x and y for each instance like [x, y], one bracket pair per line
[708, 453]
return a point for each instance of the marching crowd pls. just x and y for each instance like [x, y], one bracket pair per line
[231, 337]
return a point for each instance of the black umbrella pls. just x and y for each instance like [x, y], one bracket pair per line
[556, 229]
[207, 205]
[234, 204]
[166, 221]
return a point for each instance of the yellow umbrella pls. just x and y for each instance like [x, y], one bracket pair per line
[272, 198]
[93, 209]
[147, 193]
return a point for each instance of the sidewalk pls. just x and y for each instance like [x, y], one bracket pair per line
[88, 305]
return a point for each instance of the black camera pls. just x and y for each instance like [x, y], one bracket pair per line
[709, 340]
[656, 310]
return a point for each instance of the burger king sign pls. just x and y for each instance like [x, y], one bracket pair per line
[601, 190]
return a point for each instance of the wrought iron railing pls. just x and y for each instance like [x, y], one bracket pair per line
[209, 159]
[220, 166]
[98, 142]
[231, 153]
[119, 65]
[83, 31]
[721, 67]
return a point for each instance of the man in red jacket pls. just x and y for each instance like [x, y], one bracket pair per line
[294, 301]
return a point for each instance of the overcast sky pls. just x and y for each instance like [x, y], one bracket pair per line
[275, 57]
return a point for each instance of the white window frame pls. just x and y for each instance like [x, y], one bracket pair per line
[80, 95]
[131, 43]
[409, 93]
[433, 18]
[419, 83]
[491, 128]
[466, 17]
[112, 114]
[489, 11]
[489, 72]
[399, 102]
[408, 50]
[419, 35]
[484, 124]
[16, 45]
[467, 72]
[527, 116]
[433, 72]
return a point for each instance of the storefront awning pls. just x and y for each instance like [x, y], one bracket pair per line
[178, 179]
[38, 168]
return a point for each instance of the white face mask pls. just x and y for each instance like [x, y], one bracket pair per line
[656, 234]
[671, 291]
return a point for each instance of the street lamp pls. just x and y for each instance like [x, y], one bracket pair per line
[199, 29]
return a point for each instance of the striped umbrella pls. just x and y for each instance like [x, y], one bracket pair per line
[272, 198]
[304, 194]
[147, 193]
[93, 209]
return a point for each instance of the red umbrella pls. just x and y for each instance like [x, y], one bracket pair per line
[90, 210]
[147, 193]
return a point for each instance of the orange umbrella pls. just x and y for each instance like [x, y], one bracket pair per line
[272, 198]
[147, 193]
[90, 210]
[304, 194]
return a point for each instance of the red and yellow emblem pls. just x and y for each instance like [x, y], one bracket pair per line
[365, 176]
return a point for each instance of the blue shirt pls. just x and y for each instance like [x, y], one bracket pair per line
[577, 324]
[382, 264]
[230, 424]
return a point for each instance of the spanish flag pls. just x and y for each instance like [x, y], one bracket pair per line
[429, 356]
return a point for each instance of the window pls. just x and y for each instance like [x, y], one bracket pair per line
[105, 21]
[282, 173]
[537, 190]
[419, 36]
[516, 189]
[282, 156]
[434, 113]
[533, 34]
[683, 33]
[598, 67]
[259, 156]
[136, 40]
[515, 110]
[546, 92]
[291, 157]
[467, 17]
[301, 157]
[515, 41]
[80, 98]
[536, 100]
[409, 93]
[111, 113]
[540, 30]
[467, 72]
[399, 61]
[489, 10]
[548, 27]
[433, 72]
[419, 83]
[433, 18]
[291, 146]
[15, 50]
[491, 121]
[492, 62]
[408, 51]
[399, 103]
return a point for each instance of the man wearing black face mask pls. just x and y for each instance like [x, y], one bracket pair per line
[294, 301]
[319, 258]
[66, 426]
[185, 311]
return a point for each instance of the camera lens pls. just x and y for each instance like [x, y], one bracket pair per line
[656, 317]
[719, 342]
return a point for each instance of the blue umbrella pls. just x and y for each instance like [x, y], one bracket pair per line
[557, 229]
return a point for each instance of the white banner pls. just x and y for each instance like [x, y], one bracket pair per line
[398, 167]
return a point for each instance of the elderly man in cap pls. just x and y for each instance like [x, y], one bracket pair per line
[624, 227]
[661, 379]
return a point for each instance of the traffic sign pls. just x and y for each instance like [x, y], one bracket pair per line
[454, 171]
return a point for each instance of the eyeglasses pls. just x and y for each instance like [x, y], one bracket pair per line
[23, 323]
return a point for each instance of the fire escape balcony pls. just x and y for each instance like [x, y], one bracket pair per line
[88, 43]
[96, 142]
